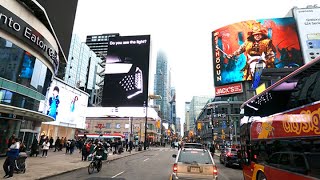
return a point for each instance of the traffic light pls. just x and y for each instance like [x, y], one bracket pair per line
[158, 124]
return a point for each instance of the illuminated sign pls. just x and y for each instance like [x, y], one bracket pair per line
[229, 89]
[239, 47]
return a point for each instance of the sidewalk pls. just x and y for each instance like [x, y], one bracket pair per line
[56, 163]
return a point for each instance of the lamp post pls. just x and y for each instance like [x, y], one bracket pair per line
[146, 122]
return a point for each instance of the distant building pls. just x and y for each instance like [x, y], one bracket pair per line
[162, 86]
[196, 105]
[178, 126]
[173, 114]
[82, 69]
[187, 115]
[99, 45]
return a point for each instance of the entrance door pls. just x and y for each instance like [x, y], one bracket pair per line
[27, 137]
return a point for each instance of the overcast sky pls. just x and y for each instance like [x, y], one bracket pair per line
[180, 28]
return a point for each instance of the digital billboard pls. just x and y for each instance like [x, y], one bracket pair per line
[308, 23]
[66, 105]
[127, 72]
[240, 49]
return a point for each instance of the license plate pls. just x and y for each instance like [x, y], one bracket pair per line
[195, 170]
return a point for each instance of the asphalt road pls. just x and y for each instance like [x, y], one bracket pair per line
[155, 164]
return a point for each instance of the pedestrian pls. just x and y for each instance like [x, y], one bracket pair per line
[12, 154]
[34, 148]
[72, 146]
[130, 146]
[13, 136]
[45, 147]
[68, 146]
[84, 153]
[57, 145]
[51, 142]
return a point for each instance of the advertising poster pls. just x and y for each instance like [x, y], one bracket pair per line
[238, 48]
[127, 72]
[66, 105]
[308, 22]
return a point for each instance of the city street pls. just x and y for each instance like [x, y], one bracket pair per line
[154, 164]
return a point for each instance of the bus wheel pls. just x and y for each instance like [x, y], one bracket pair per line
[261, 176]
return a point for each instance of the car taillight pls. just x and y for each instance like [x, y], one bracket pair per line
[229, 154]
[175, 168]
[215, 170]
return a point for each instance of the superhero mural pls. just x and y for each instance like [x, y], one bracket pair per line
[238, 49]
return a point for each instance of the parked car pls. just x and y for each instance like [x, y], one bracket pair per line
[194, 164]
[229, 157]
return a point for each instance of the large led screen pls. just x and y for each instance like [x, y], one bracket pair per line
[127, 71]
[240, 48]
[66, 105]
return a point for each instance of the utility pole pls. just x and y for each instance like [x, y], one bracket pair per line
[145, 127]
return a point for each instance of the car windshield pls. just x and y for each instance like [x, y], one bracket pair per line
[192, 156]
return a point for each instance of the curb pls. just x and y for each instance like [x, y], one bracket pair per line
[71, 170]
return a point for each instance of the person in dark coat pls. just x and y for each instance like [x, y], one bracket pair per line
[51, 142]
[57, 145]
[34, 148]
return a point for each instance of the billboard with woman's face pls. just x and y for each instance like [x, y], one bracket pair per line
[243, 49]
[66, 105]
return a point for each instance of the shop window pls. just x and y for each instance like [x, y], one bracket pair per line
[108, 125]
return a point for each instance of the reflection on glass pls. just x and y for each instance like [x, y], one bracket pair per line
[20, 66]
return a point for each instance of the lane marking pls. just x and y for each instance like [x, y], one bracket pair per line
[146, 159]
[117, 174]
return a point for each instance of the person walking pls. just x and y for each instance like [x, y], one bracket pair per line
[34, 147]
[12, 154]
[45, 147]
[51, 142]
[84, 152]
[57, 145]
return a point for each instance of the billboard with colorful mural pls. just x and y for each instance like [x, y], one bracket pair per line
[239, 48]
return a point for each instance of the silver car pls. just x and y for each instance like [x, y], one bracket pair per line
[194, 164]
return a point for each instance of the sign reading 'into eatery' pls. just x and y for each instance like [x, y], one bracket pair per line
[14, 25]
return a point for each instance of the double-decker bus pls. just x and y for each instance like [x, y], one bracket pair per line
[280, 130]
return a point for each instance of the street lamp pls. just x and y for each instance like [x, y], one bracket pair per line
[146, 122]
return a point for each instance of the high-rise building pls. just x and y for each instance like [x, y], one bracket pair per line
[162, 86]
[187, 115]
[82, 68]
[172, 102]
[196, 105]
[99, 45]
[178, 126]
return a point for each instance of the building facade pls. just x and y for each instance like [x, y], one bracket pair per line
[173, 113]
[99, 45]
[28, 61]
[82, 69]
[196, 105]
[162, 86]
[187, 116]
[178, 127]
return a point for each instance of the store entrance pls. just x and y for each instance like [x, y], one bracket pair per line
[27, 136]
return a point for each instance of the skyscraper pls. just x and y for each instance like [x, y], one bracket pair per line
[82, 68]
[162, 85]
[172, 102]
[99, 45]
[187, 115]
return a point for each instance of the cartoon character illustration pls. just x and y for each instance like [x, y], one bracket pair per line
[73, 103]
[54, 103]
[258, 49]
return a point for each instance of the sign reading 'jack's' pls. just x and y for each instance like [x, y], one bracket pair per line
[229, 89]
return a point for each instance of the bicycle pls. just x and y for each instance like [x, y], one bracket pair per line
[96, 163]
